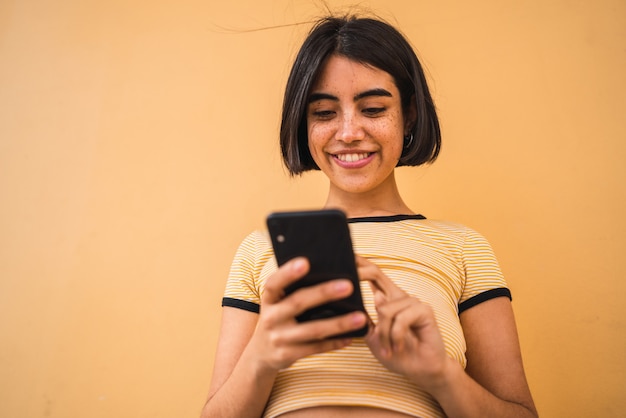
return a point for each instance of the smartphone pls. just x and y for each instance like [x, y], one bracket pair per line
[323, 237]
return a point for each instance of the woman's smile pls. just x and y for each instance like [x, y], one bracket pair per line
[351, 158]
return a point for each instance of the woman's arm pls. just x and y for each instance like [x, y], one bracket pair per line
[238, 387]
[493, 383]
[253, 348]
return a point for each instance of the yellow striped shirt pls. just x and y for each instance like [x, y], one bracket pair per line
[449, 266]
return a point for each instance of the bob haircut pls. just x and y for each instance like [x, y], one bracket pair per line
[370, 42]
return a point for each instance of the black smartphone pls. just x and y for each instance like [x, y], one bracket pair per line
[322, 236]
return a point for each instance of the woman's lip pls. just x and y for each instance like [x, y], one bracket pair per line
[354, 159]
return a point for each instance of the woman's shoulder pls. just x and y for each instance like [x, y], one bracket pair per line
[448, 227]
[456, 232]
[258, 236]
[443, 233]
[255, 243]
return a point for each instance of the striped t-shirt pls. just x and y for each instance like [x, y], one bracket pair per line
[448, 266]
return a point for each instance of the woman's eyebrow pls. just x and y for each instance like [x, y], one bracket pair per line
[373, 92]
[368, 93]
[314, 97]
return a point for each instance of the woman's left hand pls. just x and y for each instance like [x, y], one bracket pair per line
[406, 339]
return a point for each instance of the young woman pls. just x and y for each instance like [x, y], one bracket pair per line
[443, 340]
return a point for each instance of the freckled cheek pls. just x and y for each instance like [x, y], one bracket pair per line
[318, 137]
[387, 130]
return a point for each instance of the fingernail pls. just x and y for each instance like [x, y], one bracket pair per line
[341, 285]
[358, 318]
[298, 264]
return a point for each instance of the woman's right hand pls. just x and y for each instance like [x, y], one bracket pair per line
[279, 340]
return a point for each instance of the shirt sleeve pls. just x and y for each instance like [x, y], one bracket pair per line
[483, 278]
[243, 285]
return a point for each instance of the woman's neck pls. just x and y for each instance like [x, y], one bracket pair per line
[380, 202]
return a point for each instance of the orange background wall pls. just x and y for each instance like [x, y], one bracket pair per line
[138, 146]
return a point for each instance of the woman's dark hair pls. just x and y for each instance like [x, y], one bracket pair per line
[371, 42]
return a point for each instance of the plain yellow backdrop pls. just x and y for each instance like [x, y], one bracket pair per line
[138, 146]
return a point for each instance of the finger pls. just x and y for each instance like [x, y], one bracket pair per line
[286, 274]
[378, 280]
[409, 324]
[402, 327]
[387, 316]
[312, 296]
[369, 272]
[323, 329]
[379, 297]
[286, 353]
[306, 349]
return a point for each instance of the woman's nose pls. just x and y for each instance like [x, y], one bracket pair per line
[350, 129]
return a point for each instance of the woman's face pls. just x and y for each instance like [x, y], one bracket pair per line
[355, 125]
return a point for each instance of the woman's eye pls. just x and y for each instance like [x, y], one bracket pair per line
[323, 113]
[372, 111]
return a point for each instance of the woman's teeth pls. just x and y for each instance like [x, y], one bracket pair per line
[350, 158]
